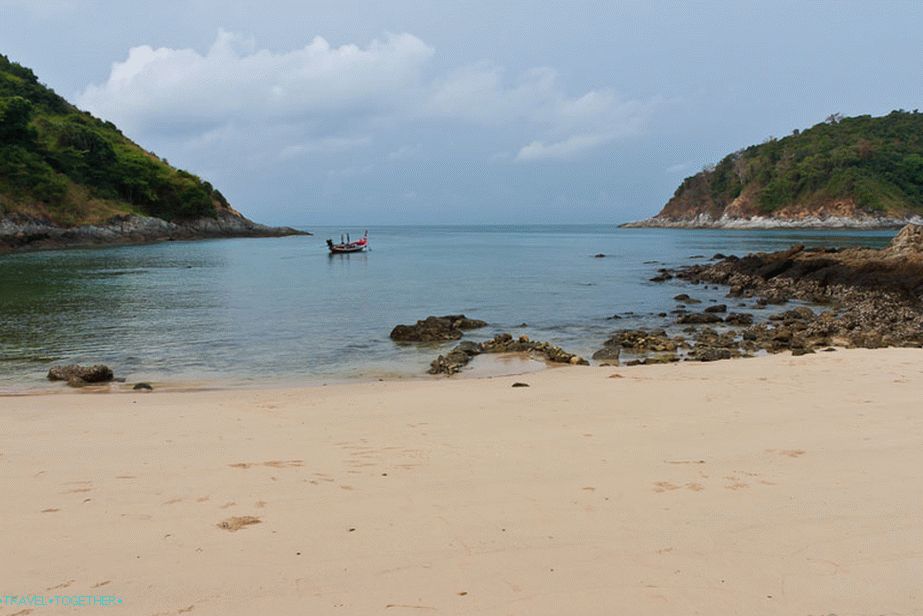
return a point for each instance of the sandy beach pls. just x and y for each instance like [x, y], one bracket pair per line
[776, 485]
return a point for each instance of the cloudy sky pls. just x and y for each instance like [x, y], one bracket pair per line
[363, 113]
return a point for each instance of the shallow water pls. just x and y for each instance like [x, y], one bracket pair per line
[248, 310]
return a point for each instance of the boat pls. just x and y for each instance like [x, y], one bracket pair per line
[346, 246]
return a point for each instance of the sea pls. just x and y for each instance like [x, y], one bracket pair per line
[242, 312]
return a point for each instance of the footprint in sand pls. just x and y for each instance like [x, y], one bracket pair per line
[51, 510]
[61, 585]
[669, 486]
[101, 584]
[791, 453]
[173, 501]
[270, 464]
[227, 505]
[665, 486]
[235, 523]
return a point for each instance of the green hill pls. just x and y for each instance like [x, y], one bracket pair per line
[861, 168]
[62, 165]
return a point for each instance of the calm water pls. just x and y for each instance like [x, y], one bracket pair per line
[283, 310]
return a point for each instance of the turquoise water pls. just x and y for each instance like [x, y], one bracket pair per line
[246, 310]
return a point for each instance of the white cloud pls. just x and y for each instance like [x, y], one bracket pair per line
[319, 97]
[234, 82]
[680, 167]
[325, 145]
[566, 148]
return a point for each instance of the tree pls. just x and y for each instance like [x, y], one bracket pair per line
[15, 114]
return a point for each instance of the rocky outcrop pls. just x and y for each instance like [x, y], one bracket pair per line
[21, 233]
[458, 358]
[869, 298]
[77, 376]
[436, 329]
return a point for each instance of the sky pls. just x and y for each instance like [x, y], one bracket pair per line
[337, 112]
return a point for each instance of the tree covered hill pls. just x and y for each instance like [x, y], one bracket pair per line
[62, 165]
[860, 168]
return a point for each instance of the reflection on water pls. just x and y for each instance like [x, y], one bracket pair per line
[282, 309]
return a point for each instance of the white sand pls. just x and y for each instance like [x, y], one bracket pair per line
[776, 485]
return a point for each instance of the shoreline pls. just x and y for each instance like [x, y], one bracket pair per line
[778, 485]
[704, 221]
[22, 236]
[486, 367]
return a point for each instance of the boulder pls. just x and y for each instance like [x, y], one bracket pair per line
[77, 375]
[717, 308]
[907, 243]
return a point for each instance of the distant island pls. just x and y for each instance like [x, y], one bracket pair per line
[862, 172]
[70, 179]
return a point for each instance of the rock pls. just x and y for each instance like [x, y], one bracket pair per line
[458, 358]
[802, 313]
[663, 276]
[660, 358]
[739, 318]
[907, 243]
[710, 354]
[718, 256]
[599, 255]
[435, 329]
[683, 297]
[519, 384]
[77, 375]
[469, 348]
[717, 308]
[143, 387]
[639, 341]
[608, 352]
[698, 318]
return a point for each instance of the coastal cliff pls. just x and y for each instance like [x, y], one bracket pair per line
[861, 172]
[70, 179]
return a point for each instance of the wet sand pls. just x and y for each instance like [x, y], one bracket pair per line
[774, 485]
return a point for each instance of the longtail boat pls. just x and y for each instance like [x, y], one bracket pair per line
[346, 246]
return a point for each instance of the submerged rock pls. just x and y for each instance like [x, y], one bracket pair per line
[698, 318]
